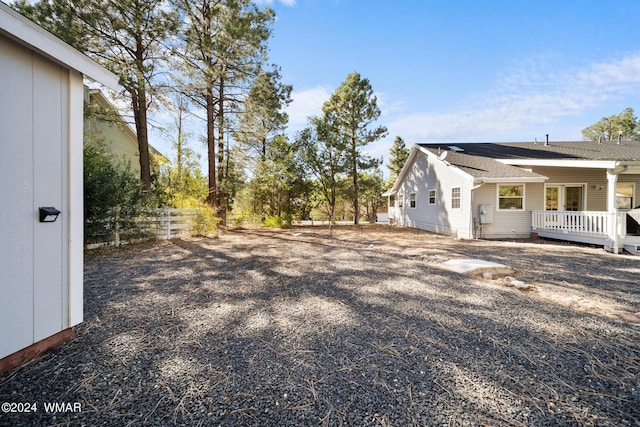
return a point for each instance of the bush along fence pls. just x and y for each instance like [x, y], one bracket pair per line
[120, 228]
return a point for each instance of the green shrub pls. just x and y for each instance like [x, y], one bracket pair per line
[205, 221]
[277, 222]
[112, 196]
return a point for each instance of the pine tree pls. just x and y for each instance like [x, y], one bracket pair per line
[398, 156]
[350, 114]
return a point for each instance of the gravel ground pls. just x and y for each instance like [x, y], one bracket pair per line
[294, 327]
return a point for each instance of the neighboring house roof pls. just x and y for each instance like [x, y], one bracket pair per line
[22, 30]
[567, 150]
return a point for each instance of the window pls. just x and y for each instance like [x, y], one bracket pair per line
[432, 197]
[412, 200]
[455, 198]
[400, 200]
[511, 197]
[624, 195]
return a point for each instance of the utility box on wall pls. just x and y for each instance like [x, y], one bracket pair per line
[41, 117]
[485, 214]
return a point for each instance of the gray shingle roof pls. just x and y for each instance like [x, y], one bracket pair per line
[483, 167]
[568, 150]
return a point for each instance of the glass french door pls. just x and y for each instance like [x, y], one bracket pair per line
[564, 198]
[573, 198]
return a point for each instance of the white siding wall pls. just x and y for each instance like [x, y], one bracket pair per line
[34, 259]
[507, 223]
[595, 180]
[17, 218]
[596, 199]
[426, 174]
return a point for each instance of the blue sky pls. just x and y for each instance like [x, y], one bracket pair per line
[464, 71]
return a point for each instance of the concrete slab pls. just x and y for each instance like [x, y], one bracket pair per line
[476, 266]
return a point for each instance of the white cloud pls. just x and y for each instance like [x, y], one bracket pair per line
[306, 103]
[529, 96]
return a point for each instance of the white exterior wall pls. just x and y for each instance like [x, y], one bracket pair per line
[429, 173]
[595, 199]
[507, 223]
[41, 165]
[595, 181]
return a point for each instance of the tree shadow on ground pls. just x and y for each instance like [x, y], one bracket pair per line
[269, 328]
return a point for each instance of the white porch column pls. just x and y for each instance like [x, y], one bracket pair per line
[612, 180]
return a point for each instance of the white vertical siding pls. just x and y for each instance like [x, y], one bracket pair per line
[17, 217]
[34, 262]
[50, 139]
[428, 173]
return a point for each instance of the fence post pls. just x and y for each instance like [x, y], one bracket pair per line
[168, 222]
[117, 226]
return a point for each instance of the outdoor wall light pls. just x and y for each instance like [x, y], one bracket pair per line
[49, 214]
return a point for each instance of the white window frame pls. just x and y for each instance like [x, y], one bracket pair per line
[400, 200]
[523, 197]
[458, 198]
[434, 197]
[413, 197]
[633, 195]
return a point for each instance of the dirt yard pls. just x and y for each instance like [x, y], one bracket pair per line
[296, 327]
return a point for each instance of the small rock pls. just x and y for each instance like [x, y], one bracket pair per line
[487, 275]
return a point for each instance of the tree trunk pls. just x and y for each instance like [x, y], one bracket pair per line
[354, 171]
[139, 104]
[138, 91]
[222, 195]
[211, 150]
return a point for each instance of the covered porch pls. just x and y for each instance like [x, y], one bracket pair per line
[608, 229]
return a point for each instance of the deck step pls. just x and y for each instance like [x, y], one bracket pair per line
[632, 249]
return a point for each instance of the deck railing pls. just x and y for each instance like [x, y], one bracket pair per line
[579, 222]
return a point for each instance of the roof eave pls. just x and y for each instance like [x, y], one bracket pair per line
[519, 179]
[23, 31]
[571, 163]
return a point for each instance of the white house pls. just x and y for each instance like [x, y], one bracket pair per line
[41, 118]
[577, 191]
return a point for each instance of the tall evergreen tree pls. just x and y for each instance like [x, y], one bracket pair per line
[398, 156]
[264, 118]
[126, 36]
[351, 114]
[322, 155]
[224, 46]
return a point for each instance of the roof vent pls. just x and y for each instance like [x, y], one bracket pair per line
[546, 141]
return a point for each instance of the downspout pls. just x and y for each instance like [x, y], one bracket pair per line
[473, 229]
